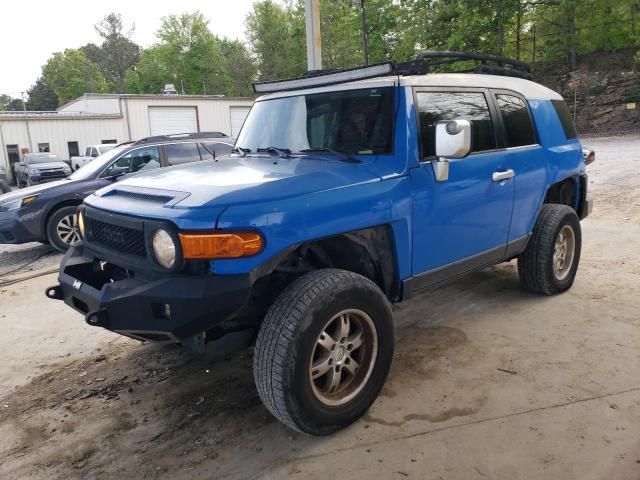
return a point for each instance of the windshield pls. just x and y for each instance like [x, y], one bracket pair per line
[350, 121]
[96, 166]
[31, 159]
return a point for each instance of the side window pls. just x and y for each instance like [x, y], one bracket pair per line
[516, 119]
[437, 106]
[87, 152]
[137, 160]
[565, 118]
[179, 153]
[94, 152]
[214, 150]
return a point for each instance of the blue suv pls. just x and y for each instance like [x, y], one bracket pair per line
[348, 191]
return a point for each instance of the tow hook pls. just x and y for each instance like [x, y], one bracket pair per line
[54, 293]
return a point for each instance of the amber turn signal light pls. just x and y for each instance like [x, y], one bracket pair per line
[220, 245]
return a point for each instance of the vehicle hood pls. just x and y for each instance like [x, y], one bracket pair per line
[45, 166]
[25, 192]
[235, 180]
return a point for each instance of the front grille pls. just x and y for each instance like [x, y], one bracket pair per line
[52, 173]
[123, 239]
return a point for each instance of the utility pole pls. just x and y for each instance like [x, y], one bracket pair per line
[26, 121]
[314, 41]
[363, 29]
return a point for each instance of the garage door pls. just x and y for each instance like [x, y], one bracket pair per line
[168, 120]
[238, 114]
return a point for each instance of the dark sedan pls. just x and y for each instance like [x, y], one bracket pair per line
[47, 213]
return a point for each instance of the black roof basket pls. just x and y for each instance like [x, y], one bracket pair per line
[180, 136]
[486, 64]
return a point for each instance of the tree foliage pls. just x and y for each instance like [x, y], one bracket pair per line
[41, 97]
[117, 54]
[71, 74]
[197, 61]
[10, 104]
[193, 59]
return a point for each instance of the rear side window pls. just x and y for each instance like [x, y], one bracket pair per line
[565, 118]
[179, 153]
[437, 106]
[517, 121]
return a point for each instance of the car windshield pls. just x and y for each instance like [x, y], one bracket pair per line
[31, 159]
[93, 168]
[348, 121]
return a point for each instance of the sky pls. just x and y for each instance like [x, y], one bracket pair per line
[32, 30]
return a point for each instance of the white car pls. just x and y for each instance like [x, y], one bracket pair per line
[90, 153]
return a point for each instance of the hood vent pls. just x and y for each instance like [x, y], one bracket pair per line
[147, 195]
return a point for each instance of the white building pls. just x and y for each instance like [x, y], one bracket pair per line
[114, 118]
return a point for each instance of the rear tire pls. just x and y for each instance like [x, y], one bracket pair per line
[324, 351]
[550, 262]
[62, 229]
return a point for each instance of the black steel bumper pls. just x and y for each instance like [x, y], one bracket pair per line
[171, 308]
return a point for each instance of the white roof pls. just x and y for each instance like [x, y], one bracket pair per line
[528, 89]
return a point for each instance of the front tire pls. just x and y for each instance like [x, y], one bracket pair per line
[62, 228]
[324, 351]
[550, 262]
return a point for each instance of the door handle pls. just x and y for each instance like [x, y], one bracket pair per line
[501, 176]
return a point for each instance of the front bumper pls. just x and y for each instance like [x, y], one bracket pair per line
[14, 230]
[171, 308]
[37, 180]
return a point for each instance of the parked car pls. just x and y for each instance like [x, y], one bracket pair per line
[36, 168]
[47, 213]
[347, 191]
[91, 152]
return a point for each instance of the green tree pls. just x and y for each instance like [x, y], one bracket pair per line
[277, 37]
[41, 97]
[5, 100]
[117, 53]
[240, 68]
[70, 74]
[187, 55]
[10, 104]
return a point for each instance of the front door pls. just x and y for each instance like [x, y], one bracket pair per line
[462, 222]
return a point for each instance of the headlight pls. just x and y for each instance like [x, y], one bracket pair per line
[34, 171]
[164, 248]
[17, 203]
[81, 223]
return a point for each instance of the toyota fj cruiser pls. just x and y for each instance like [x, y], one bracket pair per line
[348, 190]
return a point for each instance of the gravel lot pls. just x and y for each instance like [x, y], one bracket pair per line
[487, 382]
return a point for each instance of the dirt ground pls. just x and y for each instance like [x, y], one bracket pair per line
[487, 381]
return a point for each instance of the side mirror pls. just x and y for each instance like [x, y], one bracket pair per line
[453, 140]
[589, 156]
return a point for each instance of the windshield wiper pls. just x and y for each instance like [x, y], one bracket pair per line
[283, 152]
[343, 156]
[242, 151]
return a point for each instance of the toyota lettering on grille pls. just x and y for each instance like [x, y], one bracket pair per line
[115, 237]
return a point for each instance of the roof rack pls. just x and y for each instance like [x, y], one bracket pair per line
[180, 136]
[424, 63]
[486, 64]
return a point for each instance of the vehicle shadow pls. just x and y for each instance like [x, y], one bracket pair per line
[148, 410]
